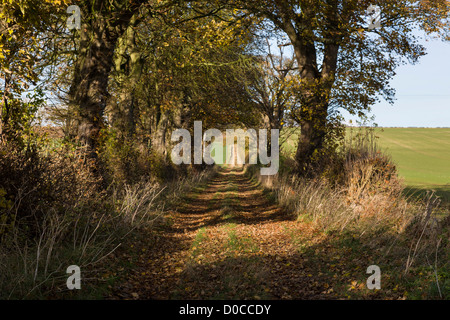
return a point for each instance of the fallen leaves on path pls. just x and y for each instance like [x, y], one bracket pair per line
[228, 240]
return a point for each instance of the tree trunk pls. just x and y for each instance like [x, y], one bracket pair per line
[313, 129]
[4, 102]
[4, 122]
[128, 67]
[314, 97]
[159, 133]
[88, 93]
[316, 84]
[89, 90]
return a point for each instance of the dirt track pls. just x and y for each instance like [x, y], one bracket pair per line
[226, 240]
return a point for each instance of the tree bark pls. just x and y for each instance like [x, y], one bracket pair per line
[4, 120]
[316, 85]
[89, 90]
[128, 67]
[315, 90]
[313, 130]
[88, 93]
[159, 131]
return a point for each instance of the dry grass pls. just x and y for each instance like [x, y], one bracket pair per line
[359, 187]
[54, 214]
[361, 194]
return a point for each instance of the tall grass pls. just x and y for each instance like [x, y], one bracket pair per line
[359, 183]
[58, 216]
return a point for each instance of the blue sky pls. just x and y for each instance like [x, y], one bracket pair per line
[422, 92]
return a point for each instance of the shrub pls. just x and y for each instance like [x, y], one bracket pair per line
[128, 160]
[34, 183]
[355, 182]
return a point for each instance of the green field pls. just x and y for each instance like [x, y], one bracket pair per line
[422, 156]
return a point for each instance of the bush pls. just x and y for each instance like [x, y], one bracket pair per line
[52, 218]
[356, 182]
[33, 183]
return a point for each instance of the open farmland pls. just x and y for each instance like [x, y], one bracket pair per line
[422, 156]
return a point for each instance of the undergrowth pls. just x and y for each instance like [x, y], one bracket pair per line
[55, 212]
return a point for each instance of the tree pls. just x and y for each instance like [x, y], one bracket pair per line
[106, 26]
[103, 23]
[21, 55]
[192, 68]
[342, 60]
[271, 87]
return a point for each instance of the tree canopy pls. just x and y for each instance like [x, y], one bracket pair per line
[142, 67]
